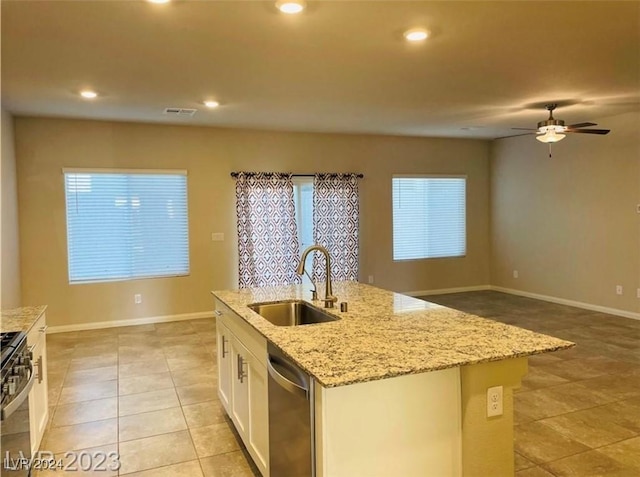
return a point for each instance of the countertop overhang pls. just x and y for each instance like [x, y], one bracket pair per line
[385, 334]
[20, 319]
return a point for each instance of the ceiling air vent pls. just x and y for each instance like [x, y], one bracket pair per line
[180, 111]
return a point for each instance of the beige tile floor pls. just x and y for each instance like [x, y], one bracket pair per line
[148, 393]
[578, 411]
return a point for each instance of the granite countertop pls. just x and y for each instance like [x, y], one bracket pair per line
[385, 334]
[20, 319]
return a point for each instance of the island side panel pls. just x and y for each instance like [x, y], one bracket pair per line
[408, 425]
[487, 442]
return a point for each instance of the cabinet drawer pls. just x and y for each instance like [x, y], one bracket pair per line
[250, 338]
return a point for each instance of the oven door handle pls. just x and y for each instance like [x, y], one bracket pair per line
[17, 401]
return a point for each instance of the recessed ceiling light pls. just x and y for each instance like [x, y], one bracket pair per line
[290, 6]
[159, 1]
[211, 104]
[87, 94]
[416, 34]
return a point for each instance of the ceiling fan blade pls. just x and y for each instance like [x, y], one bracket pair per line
[525, 129]
[581, 125]
[588, 131]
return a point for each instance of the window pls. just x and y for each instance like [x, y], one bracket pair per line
[303, 199]
[123, 225]
[429, 217]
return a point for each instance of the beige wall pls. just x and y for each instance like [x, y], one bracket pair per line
[9, 241]
[45, 146]
[569, 224]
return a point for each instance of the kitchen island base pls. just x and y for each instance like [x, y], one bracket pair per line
[431, 424]
[487, 442]
[407, 425]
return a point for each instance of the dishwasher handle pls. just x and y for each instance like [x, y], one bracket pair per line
[284, 382]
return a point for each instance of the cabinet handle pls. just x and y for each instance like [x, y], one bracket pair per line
[224, 349]
[218, 312]
[40, 370]
[241, 373]
[43, 329]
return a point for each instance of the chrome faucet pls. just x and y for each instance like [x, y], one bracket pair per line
[328, 299]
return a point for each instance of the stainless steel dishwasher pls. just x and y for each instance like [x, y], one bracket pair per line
[291, 418]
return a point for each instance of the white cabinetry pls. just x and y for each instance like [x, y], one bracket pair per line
[38, 397]
[242, 382]
[240, 412]
[224, 365]
[251, 390]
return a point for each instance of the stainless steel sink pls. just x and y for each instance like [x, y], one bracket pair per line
[291, 313]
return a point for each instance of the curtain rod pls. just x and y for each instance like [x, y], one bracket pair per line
[359, 176]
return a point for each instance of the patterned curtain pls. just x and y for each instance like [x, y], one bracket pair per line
[335, 224]
[267, 234]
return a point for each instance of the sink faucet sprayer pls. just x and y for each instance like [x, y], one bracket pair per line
[328, 299]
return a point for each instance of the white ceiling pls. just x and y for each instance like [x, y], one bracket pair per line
[341, 66]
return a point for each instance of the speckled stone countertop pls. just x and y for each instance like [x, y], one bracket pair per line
[20, 319]
[385, 334]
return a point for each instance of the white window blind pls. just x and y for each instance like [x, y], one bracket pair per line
[429, 217]
[126, 224]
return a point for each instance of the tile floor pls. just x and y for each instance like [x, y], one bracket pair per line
[578, 411]
[145, 392]
[149, 393]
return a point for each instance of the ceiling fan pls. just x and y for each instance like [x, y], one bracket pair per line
[552, 130]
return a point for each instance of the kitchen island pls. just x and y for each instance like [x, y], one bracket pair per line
[401, 383]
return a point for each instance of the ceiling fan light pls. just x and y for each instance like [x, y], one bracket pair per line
[553, 127]
[550, 136]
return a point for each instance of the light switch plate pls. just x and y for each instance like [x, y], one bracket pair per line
[217, 237]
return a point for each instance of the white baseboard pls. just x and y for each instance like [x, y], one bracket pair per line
[445, 291]
[129, 322]
[563, 301]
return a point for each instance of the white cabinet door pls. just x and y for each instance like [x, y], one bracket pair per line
[242, 383]
[250, 412]
[224, 365]
[38, 397]
[240, 389]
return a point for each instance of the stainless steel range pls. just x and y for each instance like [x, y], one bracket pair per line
[17, 379]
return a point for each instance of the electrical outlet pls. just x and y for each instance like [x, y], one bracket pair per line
[370, 279]
[494, 401]
[618, 289]
[638, 293]
[515, 274]
[137, 298]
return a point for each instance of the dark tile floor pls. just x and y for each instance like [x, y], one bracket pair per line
[578, 411]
